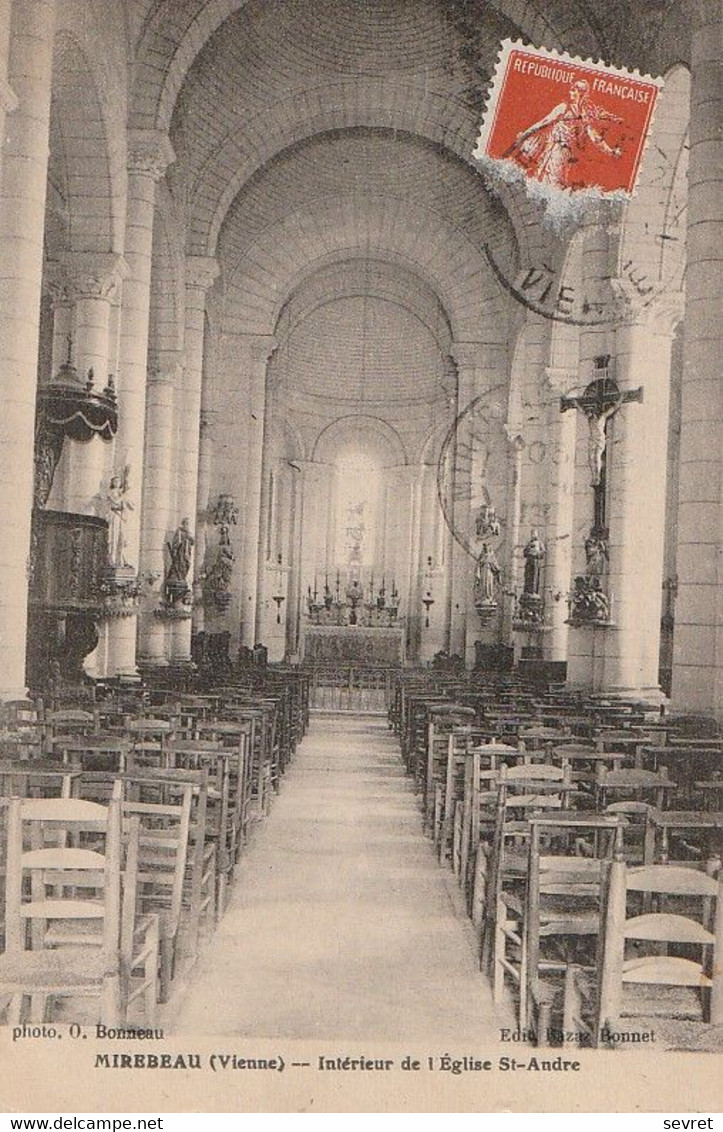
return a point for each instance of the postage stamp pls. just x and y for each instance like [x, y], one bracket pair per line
[565, 123]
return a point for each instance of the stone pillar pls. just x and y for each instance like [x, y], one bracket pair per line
[296, 595]
[467, 357]
[585, 666]
[203, 503]
[8, 98]
[258, 348]
[412, 605]
[435, 544]
[201, 271]
[562, 430]
[516, 447]
[149, 154]
[92, 282]
[55, 280]
[637, 454]
[698, 640]
[315, 554]
[155, 519]
[22, 221]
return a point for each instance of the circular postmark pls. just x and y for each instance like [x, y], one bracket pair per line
[462, 471]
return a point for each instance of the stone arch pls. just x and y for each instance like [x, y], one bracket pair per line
[653, 228]
[166, 329]
[431, 119]
[258, 287]
[380, 438]
[177, 32]
[85, 168]
[383, 280]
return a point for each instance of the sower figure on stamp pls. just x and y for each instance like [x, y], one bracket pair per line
[551, 147]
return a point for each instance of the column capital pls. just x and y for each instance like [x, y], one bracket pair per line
[149, 152]
[93, 275]
[662, 311]
[201, 271]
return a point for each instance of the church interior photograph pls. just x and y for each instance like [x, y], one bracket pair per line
[361, 496]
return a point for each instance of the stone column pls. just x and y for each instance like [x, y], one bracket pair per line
[92, 282]
[585, 644]
[55, 280]
[155, 517]
[562, 430]
[149, 154]
[201, 271]
[22, 221]
[258, 348]
[468, 361]
[698, 641]
[637, 454]
[296, 595]
[515, 450]
[313, 539]
[8, 98]
[203, 502]
[411, 608]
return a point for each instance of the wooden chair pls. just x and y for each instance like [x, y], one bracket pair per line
[520, 795]
[561, 908]
[50, 883]
[234, 738]
[631, 783]
[67, 722]
[664, 963]
[221, 828]
[94, 752]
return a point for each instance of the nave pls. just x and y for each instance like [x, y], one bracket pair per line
[342, 924]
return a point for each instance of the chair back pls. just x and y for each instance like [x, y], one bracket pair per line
[657, 938]
[50, 882]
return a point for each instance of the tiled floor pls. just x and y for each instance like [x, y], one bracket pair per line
[341, 924]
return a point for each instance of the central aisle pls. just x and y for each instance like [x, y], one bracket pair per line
[341, 924]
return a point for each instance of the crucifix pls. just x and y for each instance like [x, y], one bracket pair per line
[600, 402]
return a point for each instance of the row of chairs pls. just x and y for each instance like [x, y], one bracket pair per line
[121, 826]
[545, 824]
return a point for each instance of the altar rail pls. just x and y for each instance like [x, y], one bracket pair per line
[351, 688]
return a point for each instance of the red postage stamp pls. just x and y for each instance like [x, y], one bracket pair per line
[566, 123]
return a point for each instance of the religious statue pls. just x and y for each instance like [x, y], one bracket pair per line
[218, 578]
[179, 550]
[118, 504]
[596, 554]
[487, 525]
[225, 515]
[534, 554]
[486, 577]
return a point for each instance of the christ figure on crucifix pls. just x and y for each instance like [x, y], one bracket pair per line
[597, 419]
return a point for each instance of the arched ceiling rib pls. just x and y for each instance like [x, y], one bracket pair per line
[357, 193]
[178, 30]
[79, 166]
[371, 278]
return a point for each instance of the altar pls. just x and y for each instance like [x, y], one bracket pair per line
[353, 644]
